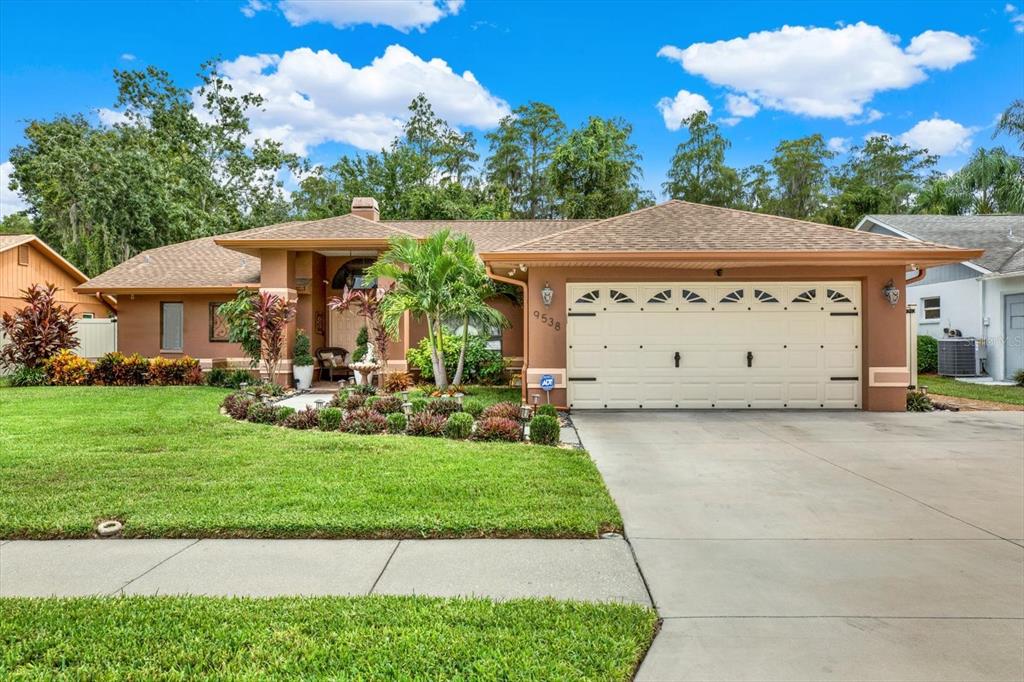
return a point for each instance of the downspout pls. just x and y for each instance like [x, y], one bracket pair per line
[526, 320]
[918, 277]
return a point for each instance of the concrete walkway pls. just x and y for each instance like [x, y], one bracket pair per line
[824, 545]
[590, 570]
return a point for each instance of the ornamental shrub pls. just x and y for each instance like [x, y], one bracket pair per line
[397, 381]
[396, 422]
[265, 388]
[545, 430]
[237, 405]
[107, 368]
[1018, 377]
[547, 410]
[228, 378]
[503, 410]
[459, 426]
[366, 389]
[38, 330]
[308, 418]
[387, 404]
[355, 401]
[67, 369]
[498, 428]
[927, 354]
[918, 401]
[426, 424]
[445, 406]
[362, 338]
[261, 413]
[301, 356]
[473, 406]
[28, 376]
[482, 365]
[419, 404]
[173, 372]
[329, 419]
[363, 421]
[133, 371]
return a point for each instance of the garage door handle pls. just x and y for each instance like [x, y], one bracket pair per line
[677, 358]
[750, 359]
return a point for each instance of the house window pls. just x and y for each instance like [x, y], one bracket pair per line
[23, 254]
[172, 326]
[218, 327]
[87, 316]
[930, 309]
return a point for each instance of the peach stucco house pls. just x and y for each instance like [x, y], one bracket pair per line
[675, 306]
[25, 259]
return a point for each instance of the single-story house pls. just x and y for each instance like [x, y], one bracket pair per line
[980, 297]
[679, 305]
[25, 259]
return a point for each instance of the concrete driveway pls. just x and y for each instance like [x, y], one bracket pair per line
[824, 545]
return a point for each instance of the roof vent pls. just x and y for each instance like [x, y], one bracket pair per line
[366, 207]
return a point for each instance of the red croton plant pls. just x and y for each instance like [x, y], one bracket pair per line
[271, 315]
[40, 329]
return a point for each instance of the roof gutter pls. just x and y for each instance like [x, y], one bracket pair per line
[865, 257]
[526, 321]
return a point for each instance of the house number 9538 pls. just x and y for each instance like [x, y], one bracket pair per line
[548, 320]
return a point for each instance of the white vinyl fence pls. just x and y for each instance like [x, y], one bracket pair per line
[95, 337]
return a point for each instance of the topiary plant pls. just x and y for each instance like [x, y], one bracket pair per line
[918, 401]
[545, 430]
[362, 338]
[330, 419]
[459, 426]
[396, 422]
[301, 357]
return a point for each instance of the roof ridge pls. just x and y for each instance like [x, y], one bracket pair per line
[591, 224]
[373, 222]
[489, 220]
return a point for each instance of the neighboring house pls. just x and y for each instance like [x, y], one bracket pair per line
[25, 259]
[676, 305]
[981, 297]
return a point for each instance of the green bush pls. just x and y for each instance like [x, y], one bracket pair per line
[473, 406]
[395, 422]
[918, 401]
[482, 365]
[362, 338]
[261, 413]
[228, 378]
[546, 410]
[330, 419]
[418, 404]
[28, 376]
[444, 406]
[459, 426]
[545, 430]
[927, 354]
[301, 356]
[1018, 377]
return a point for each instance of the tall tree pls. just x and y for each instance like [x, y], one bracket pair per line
[993, 179]
[942, 194]
[521, 151]
[1012, 122]
[595, 172]
[801, 175]
[698, 172]
[881, 176]
[178, 167]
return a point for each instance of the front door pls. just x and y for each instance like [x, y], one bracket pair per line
[1013, 320]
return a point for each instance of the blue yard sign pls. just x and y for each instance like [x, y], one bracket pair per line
[547, 381]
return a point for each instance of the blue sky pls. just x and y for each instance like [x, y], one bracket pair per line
[338, 74]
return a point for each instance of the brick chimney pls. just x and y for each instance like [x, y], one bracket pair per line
[366, 207]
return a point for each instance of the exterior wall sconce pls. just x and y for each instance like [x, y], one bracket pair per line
[547, 295]
[891, 293]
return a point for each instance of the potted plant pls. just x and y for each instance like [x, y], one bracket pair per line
[302, 362]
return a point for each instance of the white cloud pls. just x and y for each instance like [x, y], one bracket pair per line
[251, 8]
[128, 57]
[10, 201]
[685, 103]
[315, 97]
[821, 72]
[1016, 18]
[939, 136]
[111, 117]
[739, 105]
[403, 15]
[839, 144]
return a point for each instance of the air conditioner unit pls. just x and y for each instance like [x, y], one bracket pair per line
[960, 357]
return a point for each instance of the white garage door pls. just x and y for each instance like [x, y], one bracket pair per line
[720, 345]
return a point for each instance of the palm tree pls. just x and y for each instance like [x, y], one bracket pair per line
[468, 300]
[993, 178]
[424, 273]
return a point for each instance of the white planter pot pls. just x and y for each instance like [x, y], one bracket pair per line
[303, 376]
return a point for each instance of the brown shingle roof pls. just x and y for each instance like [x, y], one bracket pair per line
[192, 264]
[490, 235]
[346, 226]
[9, 241]
[681, 226]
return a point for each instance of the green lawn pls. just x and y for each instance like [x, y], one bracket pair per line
[488, 395]
[366, 638]
[168, 464]
[959, 389]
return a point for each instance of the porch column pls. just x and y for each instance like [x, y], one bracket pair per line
[277, 276]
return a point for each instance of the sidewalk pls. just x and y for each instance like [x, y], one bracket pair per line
[590, 570]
